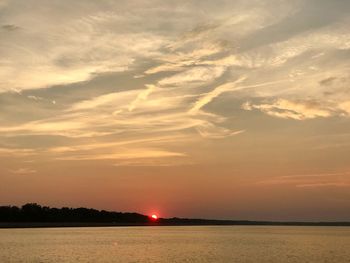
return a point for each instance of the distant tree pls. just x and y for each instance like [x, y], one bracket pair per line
[33, 212]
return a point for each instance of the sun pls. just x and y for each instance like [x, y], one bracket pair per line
[154, 216]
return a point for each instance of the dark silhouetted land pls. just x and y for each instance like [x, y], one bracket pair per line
[34, 215]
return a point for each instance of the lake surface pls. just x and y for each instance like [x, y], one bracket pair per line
[177, 244]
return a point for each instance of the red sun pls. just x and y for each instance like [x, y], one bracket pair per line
[154, 217]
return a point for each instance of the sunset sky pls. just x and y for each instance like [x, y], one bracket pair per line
[216, 109]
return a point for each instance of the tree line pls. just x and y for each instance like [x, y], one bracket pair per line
[37, 214]
[33, 212]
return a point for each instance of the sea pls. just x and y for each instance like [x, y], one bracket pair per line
[280, 244]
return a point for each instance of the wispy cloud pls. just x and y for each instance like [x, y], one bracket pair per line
[332, 179]
[16, 152]
[207, 98]
[144, 80]
[196, 75]
[137, 153]
[23, 171]
[317, 185]
[298, 110]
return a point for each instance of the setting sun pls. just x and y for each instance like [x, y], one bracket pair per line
[154, 217]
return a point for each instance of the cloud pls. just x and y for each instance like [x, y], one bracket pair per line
[16, 152]
[10, 27]
[327, 81]
[317, 185]
[316, 180]
[287, 109]
[106, 100]
[345, 106]
[137, 153]
[71, 46]
[180, 60]
[310, 16]
[52, 127]
[153, 162]
[23, 171]
[151, 140]
[196, 75]
[208, 130]
[207, 98]
[100, 76]
[142, 96]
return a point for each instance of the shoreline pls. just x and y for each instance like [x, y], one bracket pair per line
[18, 225]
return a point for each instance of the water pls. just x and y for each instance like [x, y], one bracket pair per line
[176, 244]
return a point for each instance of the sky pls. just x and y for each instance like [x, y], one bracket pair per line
[215, 109]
